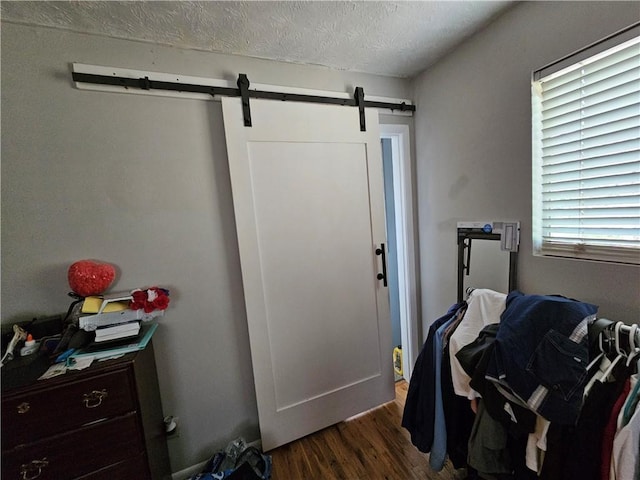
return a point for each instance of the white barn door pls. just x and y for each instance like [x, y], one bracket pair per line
[308, 199]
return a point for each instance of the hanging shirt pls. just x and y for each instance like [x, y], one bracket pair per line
[576, 451]
[537, 445]
[488, 452]
[610, 432]
[625, 458]
[459, 417]
[484, 308]
[419, 409]
[585, 458]
[630, 403]
[439, 447]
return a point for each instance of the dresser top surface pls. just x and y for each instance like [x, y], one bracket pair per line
[23, 375]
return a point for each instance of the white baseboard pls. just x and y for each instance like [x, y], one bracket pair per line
[186, 473]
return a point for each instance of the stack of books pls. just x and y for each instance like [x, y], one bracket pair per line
[118, 347]
[117, 331]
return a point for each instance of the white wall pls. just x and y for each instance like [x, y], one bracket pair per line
[473, 146]
[141, 182]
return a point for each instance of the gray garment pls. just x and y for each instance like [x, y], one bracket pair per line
[488, 452]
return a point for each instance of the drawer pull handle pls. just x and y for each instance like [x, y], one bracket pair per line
[33, 469]
[94, 399]
[24, 407]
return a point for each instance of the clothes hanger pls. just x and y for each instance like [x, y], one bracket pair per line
[633, 348]
[621, 353]
[601, 354]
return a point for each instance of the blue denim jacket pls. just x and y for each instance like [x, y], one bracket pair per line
[541, 354]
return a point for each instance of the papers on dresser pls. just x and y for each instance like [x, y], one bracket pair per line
[53, 371]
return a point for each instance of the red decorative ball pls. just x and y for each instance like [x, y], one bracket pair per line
[90, 277]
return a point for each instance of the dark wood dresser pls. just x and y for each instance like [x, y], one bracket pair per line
[104, 422]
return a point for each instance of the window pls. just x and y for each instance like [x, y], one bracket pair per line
[586, 153]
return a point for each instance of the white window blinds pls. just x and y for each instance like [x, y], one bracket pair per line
[586, 157]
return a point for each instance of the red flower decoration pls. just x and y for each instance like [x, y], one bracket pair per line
[150, 299]
[161, 302]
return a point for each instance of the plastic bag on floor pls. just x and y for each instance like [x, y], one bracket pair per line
[237, 462]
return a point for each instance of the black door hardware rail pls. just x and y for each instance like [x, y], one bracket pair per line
[243, 92]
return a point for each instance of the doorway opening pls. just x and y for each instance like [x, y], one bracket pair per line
[403, 302]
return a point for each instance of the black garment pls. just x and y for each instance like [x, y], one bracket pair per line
[558, 446]
[469, 356]
[517, 446]
[474, 359]
[419, 409]
[458, 415]
[576, 451]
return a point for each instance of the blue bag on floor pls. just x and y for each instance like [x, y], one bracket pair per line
[237, 462]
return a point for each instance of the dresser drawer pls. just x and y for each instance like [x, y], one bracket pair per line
[41, 412]
[110, 446]
[132, 468]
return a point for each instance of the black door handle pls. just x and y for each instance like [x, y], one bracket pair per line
[382, 276]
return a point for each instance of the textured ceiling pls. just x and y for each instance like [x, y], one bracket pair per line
[387, 38]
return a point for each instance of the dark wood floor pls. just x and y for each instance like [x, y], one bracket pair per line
[370, 446]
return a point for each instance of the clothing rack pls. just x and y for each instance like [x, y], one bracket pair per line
[567, 348]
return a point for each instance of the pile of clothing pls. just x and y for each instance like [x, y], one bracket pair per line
[505, 386]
